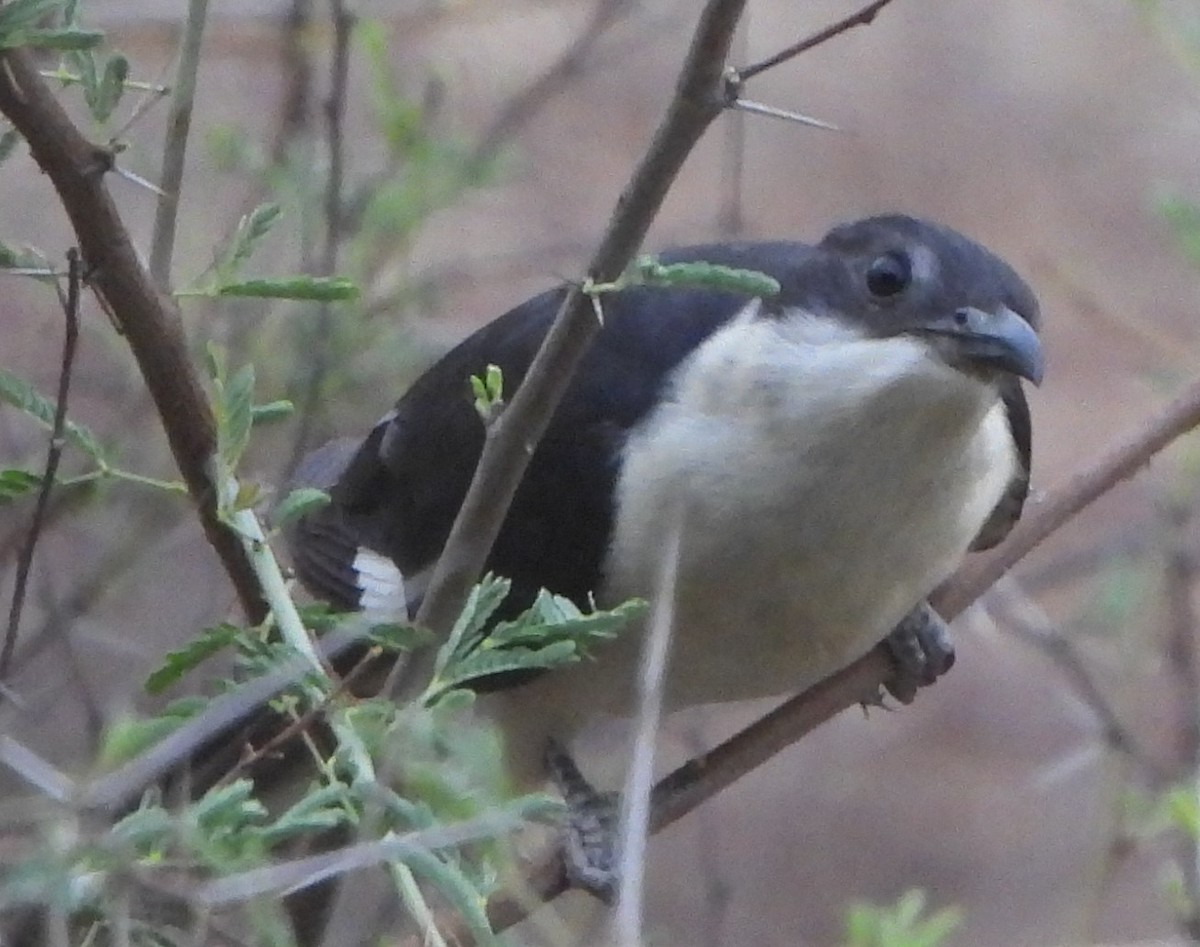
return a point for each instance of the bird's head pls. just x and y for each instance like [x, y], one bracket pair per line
[898, 275]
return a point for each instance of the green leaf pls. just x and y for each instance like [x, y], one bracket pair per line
[27, 261]
[178, 663]
[126, 738]
[700, 275]
[251, 230]
[110, 88]
[321, 808]
[227, 807]
[8, 141]
[395, 637]
[899, 925]
[553, 617]
[18, 15]
[297, 503]
[147, 829]
[21, 395]
[83, 63]
[215, 362]
[272, 411]
[459, 890]
[315, 288]
[15, 483]
[480, 664]
[62, 38]
[236, 416]
[468, 630]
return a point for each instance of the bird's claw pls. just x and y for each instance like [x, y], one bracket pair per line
[590, 835]
[921, 650]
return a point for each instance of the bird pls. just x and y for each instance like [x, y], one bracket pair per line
[831, 454]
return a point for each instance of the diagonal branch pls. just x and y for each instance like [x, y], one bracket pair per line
[699, 98]
[148, 318]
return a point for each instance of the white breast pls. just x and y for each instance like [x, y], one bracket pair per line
[828, 483]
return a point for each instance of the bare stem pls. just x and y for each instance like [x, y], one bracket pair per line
[335, 117]
[862, 18]
[179, 122]
[70, 305]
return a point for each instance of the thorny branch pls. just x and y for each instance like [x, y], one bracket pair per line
[147, 317]
[70, 306]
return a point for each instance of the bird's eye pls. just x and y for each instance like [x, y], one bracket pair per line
[889, 275]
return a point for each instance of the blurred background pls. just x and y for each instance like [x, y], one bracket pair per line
[484, 146]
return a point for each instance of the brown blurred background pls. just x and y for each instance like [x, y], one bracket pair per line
[1044, 128]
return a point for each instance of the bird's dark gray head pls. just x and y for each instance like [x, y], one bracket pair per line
[899, 275]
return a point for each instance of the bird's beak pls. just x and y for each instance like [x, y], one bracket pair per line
[999, 340]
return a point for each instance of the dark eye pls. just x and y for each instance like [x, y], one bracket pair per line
[889, 275]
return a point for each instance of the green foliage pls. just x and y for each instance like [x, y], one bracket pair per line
[27, 261]
[648, 271]
[488, 393]
[24, 397]
[15, 483]
[233, 401]
[299, 503]
[903, 924]
[309, 288]
[22, 23]
[176, 664]
[224, 279]
[551, 633]
[103, 80]
[127, 737]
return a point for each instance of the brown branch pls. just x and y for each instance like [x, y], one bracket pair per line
[148, 318]
[70, 307]
[179, 123]
[699, 98]
[863, 17]
[319, 347]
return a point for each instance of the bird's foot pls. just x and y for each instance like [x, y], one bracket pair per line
[590, 836]
[921, 650]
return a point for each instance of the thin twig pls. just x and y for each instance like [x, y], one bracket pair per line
[318, 350]
[862, 18]
[302, 722]
[1023, 616]
[297, 68]
[70, 306]
[179, 121]
[517, 112]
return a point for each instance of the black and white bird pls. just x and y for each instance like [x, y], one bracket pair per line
[833, 452]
